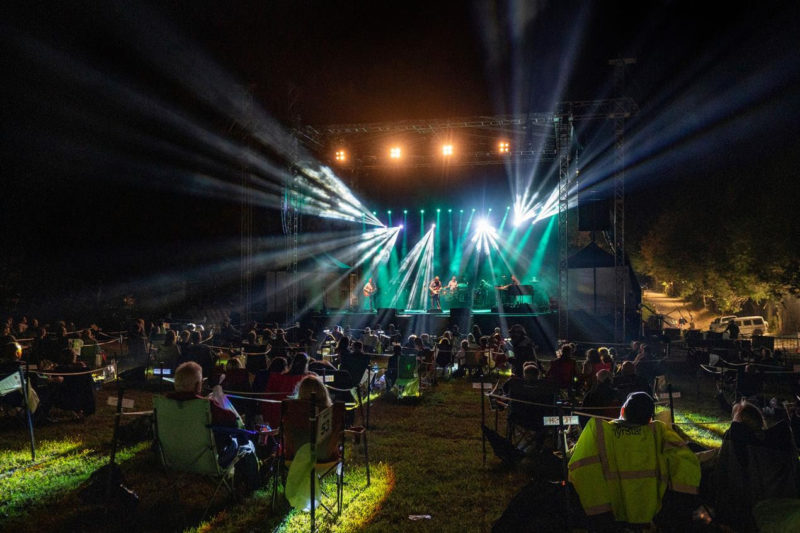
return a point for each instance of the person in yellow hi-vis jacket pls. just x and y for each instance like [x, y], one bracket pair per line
[624, 467]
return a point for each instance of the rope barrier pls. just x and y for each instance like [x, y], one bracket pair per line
[136, 413]
[103, 343]
[232, 348]
[98, 370]
[252, 393]
[115, 337]
[601, 417]
[580, 410]
[330, 387]
[262, 400]
[517, 400]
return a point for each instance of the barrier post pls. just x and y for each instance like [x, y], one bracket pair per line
[313, 444]
[564, 463]
[25, 386]
[369, 393]
[483, 415]
[671, 403]
[113, 457]
[697, 388]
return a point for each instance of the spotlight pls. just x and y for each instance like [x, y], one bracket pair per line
[438, 210]
[400, 226]
[503, 147]
[473, 209]
[490, 210]
[422, 211]
[405, 211]
[449, 210]
[508, 207]
[447, 150]
[389, 212]
[395, 152]
[433, 226]
[341, 156]
[460, 210]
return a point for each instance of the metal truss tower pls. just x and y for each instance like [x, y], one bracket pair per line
[564, 131]
[620, 264]
[291, 220]
[246, 234]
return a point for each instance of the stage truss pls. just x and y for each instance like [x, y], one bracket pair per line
[535, 137]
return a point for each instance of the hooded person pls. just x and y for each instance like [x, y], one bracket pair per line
[622, 469]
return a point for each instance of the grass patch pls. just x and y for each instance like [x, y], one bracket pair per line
[426, 460]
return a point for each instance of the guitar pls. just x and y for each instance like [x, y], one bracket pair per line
[369, 290]
[435, 291]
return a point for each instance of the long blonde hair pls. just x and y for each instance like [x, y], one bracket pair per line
[313, 385]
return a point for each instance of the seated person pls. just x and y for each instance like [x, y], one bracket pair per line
[391, 366]
[564, 369]
[602, 394]
[755, 463]
[355, 362]
[320, 367]
[461, 354]
[369, 340]
[313, 385]
[188, 384]
[425, 358]
[628, 381]
[280, 385]
[529, 390]
[199, 353]
[256, 353]
[235, 380]
[750, 381]
[622, 469]
[73, 393]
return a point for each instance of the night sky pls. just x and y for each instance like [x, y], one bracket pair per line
[91, 150]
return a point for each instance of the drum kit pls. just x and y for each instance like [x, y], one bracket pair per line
[457, 297]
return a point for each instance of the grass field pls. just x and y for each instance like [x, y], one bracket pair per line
[426, 459]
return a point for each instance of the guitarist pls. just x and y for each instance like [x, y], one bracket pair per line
[435, 287]
[369, 293]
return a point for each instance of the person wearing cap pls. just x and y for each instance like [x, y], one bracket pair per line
[622, 469]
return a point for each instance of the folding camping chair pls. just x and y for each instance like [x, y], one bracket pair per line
[407, 383]
[186, 444]
[526, 421]
[91, 355]
[474, 360]
[444, 360]
[303, 422]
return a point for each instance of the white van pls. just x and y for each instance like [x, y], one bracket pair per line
[719, 324]
[751, 325]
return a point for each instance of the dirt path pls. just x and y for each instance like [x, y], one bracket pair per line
[674, 308]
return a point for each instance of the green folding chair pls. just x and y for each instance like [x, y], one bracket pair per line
[185, 442]
[91, 355]
[320, 432]
[407, 383]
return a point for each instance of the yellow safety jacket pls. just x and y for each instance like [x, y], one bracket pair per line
[626, 469]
